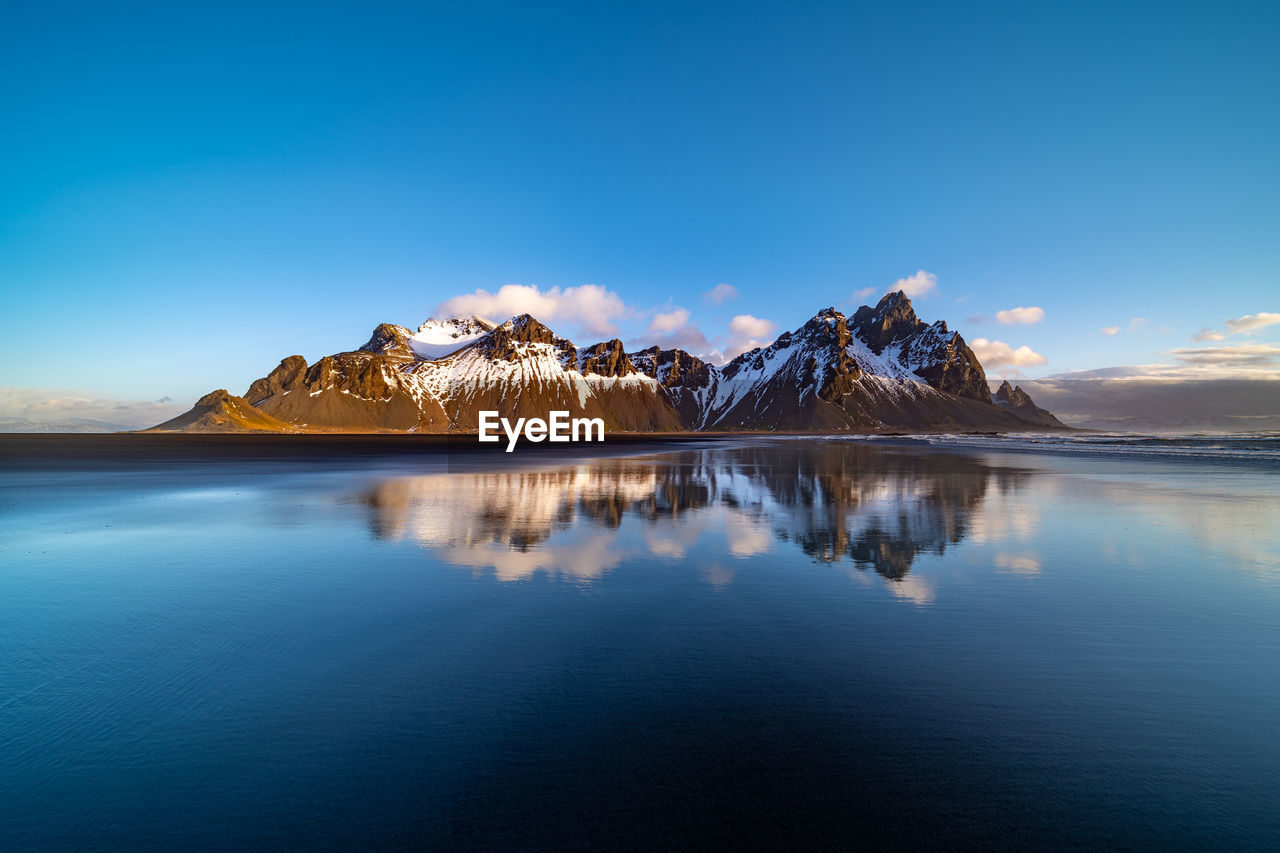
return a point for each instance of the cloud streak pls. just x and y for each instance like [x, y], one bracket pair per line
[1250, 323]
[1240, 355]
[45, 406]
[1239, 361]
[1020, 316]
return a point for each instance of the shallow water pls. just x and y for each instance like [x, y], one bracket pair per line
[799, 642]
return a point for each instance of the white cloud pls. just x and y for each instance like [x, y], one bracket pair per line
[590, 307]
[1208, 335]
[671, 330]
[688, 338]
[1137, 323]
[666, 323]
[859, 295]
[998, 353]
[1243, 361]
[744, 325]
[1110, 331]
[721, 293]
[745, 333]
[1250, 323]
[1020, 315]
[915, 286]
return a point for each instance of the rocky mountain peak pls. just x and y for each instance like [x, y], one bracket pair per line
[827, 327]
[388, 339]
[892, 319]
[607, 358]
[289, 374]
[213, 399]
[439, 338]
[673, 367]
[508, 340]
[526, 329]
[1013, 399]
[457, 326]
[1012, 394]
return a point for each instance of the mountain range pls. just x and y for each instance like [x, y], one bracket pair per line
[880, 369]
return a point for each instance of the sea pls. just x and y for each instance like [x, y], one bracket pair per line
[1060, 642]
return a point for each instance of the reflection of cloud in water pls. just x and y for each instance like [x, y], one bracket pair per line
[915, 589]
[1017, 564]
[1238, 527]
[836, 501]
[583, 559]
[747, 537]
[717, 575]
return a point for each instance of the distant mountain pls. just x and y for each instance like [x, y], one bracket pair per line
[883, 369]
[77, 425]
[1016, 401]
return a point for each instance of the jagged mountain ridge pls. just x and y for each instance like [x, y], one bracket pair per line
[882, 369]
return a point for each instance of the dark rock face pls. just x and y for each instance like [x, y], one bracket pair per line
[938, 356]
[683, 379]
[673, 368]
[288, 375]
[893, 319]
[605, 359]
[839, 375]
[389, 339]
[953, 367]
[520, 330]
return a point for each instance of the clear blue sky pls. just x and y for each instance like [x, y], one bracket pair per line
[191, 193]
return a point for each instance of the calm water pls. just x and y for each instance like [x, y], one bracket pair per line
[799, 642]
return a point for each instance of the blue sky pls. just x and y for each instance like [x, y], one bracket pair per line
[191, 194]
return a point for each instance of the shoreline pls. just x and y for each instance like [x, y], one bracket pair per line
[146, 450]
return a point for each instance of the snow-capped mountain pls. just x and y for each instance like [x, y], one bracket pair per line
[881, 369]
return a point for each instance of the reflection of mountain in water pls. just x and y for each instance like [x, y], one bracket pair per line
[879, 508]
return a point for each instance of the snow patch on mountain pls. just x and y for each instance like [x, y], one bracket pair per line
[439, 338]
